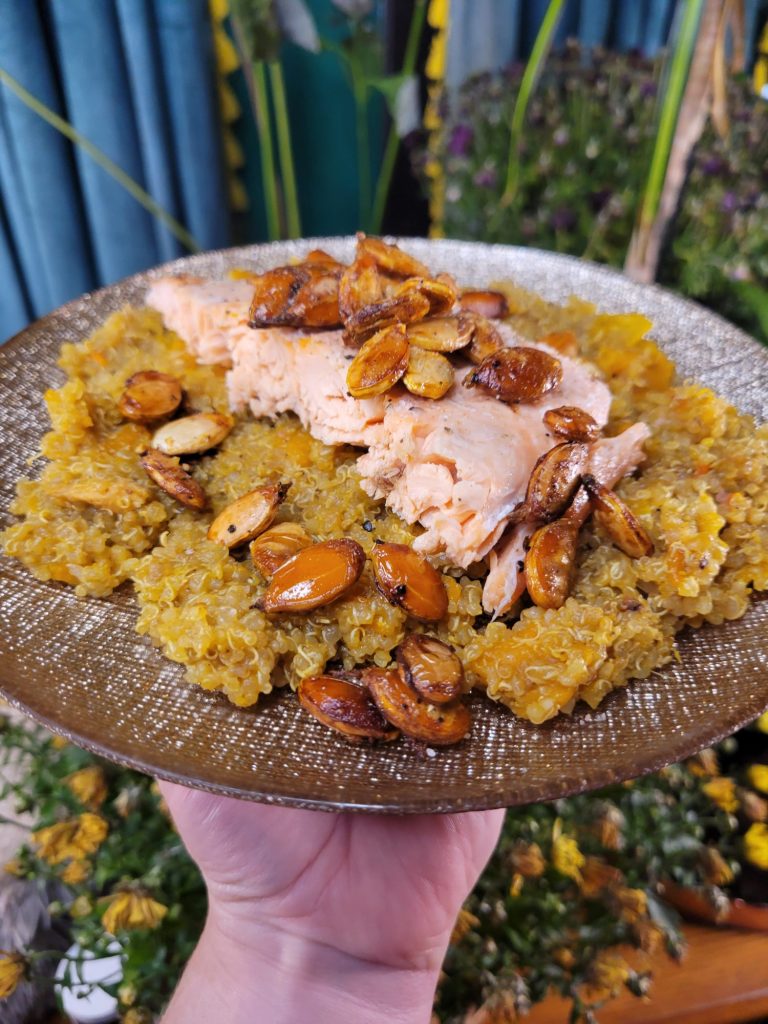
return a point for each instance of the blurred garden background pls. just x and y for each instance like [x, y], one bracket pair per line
[629, 132]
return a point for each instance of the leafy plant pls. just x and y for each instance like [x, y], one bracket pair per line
[569, 881]
[589, 134]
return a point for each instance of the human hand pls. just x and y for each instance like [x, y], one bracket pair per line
[335, 905]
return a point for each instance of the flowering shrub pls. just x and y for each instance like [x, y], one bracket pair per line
[569, 882]
[583, 164]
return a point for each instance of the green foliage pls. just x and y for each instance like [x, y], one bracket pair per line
[141, 850]
[584, 154]
[549, 932]
[569, 881]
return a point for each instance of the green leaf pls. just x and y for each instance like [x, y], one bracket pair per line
[401, 94]
[756, 298]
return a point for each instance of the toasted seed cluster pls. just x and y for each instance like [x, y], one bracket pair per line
[406, 322]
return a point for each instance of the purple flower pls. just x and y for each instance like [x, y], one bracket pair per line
[561, 137]
[729, 203]
[647, 90]
[713, 164]
[461, 139]
[563, 219]
[485, 177]
[597, 200]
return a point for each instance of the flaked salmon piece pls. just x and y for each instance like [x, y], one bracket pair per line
[206, 315]
[460, 465]
[273, 370]
[610, 459]
[282, 369]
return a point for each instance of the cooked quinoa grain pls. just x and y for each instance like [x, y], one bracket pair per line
[93, 520]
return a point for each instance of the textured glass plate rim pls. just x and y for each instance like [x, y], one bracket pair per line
[583, 273]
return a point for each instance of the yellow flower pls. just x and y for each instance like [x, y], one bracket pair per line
[758, 777]
[566, 855]
[760, 74]
[755, 807]
[564, 958]
[648, 936]
[12, 968]
[465, 922]
[528, 860]
[703, 763]
[722, 791]
[80, 907]
[756, 845]
[75, 838]
[14, 867]
[517, 885]
[608, 973]
[762, 722]
[75, 872]
[609, 828]
[127, 994]
[716, 870]
[58, 743]
[132, 908]
[89, 786]
[631, 904]
[597, 876]
[137, 1015]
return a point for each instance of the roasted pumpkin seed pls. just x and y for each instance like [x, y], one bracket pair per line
[302, 295]
[247, 516]
[618, 521]
[390, 258]
[112, 495]
[437, 725]
[573, 423]
[519, 374]
[314, 577]
[431, 667]
[550, 563]
[485, 338]
[345, 707]
[441, 333]
[360, 285]
[192, 434]
[379, 364]
[429, 374]
[321, 258]
[554, 479]
[407, 579]
[166, 472]
[405, 308]
[442, 294]
[150, 395]
[276, 545]
[492, 304]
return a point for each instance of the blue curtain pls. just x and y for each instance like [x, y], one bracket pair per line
[137, 78]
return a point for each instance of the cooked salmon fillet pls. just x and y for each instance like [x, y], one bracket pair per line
[207, 315]
[610, 459]
[273, 370]
[458, 466]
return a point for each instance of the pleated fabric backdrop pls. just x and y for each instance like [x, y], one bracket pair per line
[137, 78]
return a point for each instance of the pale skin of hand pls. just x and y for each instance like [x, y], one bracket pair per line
[322, 918]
